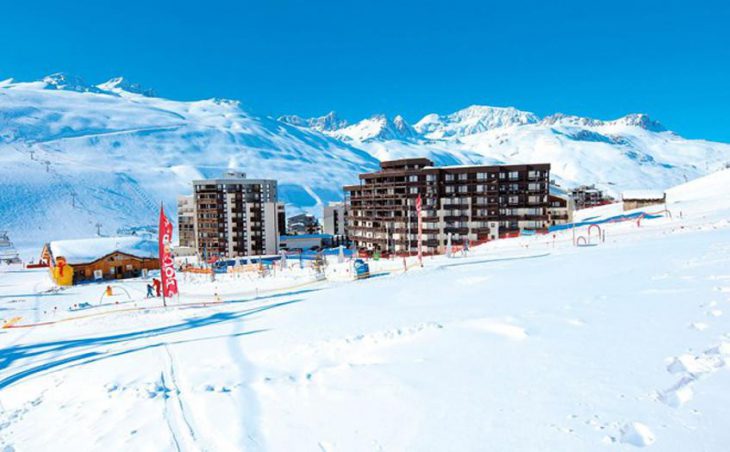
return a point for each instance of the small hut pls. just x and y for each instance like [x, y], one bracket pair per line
[102, 258]
[636, 199]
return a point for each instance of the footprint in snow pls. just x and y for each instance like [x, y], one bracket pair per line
[637, 434]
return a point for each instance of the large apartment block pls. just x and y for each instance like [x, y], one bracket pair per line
[236, 216]
[474, 203]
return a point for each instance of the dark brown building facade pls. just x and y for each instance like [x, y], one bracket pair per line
[469, 203]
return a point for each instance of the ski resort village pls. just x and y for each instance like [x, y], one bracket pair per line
[188, 276]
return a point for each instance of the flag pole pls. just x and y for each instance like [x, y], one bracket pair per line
[161, 244]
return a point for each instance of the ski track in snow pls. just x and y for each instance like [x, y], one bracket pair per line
[248, 404]
[175, 412]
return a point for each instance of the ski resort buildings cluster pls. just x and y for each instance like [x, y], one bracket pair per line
[235, 216]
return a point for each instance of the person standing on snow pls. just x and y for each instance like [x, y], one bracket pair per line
[158, 286]
[150, 294]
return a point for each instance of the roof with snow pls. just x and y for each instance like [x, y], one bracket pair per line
[83, 251]
[642, 195]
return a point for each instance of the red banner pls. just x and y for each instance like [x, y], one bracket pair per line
[420, 227]
[167, 265]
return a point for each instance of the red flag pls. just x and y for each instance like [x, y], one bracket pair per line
[420, 227]
[167, 266]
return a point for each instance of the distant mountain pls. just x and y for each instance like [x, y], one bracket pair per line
[377, 128]
[472, 120]
[328, 122]
[634, 151]
[120, 85]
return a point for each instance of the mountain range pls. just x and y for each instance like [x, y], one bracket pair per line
[79, 158]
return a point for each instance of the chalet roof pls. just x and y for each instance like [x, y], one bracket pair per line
[84, 251]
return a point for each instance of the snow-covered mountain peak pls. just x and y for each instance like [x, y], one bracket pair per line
[68, 82]
[472, 120]
[327, 123]
[639, 120]
[120, 85]
[570, 120]
[378, 128]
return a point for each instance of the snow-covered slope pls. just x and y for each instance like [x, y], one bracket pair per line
[73, 155]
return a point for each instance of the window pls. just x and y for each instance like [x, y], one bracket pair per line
[449, 177]
[513, 199]
[413, 190]
[413, 178]
[481, 188]
[481, 176]
[463, 176]
[463, 188]
[514, 175]
[449, 189]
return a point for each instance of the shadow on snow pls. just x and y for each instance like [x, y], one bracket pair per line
[10, 355]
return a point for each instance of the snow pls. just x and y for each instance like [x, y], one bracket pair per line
[526, 344]
[642, 195]
[88, 250]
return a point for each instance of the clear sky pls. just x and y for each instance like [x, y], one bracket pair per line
[602, 59]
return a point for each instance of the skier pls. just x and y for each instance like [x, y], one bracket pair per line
[150, 294]
[158, 286]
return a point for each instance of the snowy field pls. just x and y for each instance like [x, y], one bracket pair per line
[527, 344]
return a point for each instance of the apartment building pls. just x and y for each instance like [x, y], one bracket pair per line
[463, 203]
[560, 209]
[186, 221]
[587, 196]
[334, 219]
[236, 216]
[303, 223]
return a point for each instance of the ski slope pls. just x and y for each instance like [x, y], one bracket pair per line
[526, 344]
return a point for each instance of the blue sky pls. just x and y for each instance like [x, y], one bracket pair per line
[602, 59]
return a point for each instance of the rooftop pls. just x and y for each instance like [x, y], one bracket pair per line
[83, 251]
